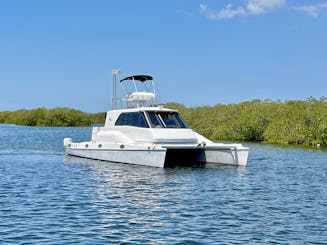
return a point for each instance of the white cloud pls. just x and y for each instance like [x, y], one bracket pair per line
[257, 7]
[203, 8]
[229, 12]
[312, 10]
[252, 7]
[225, 13]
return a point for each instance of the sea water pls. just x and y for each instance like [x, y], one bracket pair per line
[49, 198]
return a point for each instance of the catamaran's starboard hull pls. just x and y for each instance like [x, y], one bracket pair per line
[236, 157]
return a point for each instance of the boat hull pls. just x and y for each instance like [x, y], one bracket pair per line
[153, 158]
[236, 157]
[162, 156]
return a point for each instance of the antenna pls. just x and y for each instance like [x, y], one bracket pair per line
[115, 73]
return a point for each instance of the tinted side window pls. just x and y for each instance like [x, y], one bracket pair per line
[135, 119]
[122, 120]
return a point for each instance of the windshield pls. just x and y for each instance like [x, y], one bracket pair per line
[163, 119]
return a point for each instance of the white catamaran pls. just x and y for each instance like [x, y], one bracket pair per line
[137, 132]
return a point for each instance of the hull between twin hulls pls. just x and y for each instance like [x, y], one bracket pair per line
[166, 156]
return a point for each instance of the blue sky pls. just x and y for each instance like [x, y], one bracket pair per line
[62, 52]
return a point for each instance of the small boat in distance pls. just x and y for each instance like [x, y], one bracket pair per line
[138, 132]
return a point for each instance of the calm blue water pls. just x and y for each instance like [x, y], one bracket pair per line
[45, 198]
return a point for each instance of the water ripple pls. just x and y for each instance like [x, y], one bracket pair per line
[47, 198]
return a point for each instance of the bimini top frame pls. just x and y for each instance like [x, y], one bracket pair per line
[135, 95]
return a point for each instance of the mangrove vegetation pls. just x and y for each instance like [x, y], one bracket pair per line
[56, 117]
[278, 122]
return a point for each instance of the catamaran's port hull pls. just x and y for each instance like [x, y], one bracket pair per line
[153, 158]
[165, 156]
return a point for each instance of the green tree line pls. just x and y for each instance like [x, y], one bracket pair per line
[278, 122]
[56, 117]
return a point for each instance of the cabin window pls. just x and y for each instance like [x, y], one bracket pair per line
[159, 119]
[135, 119]
[179, 120]
[155, 120]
